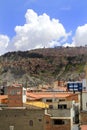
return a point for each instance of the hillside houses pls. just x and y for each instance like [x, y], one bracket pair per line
[48, 109]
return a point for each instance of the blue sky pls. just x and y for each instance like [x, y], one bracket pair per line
[30, 24]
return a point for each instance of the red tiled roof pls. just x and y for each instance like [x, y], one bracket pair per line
[83, 127]
[3, 97]
[73, 94]
[46, 95]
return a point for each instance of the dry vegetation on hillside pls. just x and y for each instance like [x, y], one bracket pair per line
[43, 65]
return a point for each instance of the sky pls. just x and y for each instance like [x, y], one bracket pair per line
[32, 24]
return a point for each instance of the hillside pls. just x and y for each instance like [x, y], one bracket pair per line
[43, 65]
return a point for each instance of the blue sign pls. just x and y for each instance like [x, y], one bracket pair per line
[74, 86]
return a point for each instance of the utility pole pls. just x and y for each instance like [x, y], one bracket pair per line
[81, 101]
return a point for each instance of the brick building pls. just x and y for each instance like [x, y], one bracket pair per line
[14, 96]
[57, 123]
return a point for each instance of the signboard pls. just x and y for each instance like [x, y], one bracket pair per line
[74, 86]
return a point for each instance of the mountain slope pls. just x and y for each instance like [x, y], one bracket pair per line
[43, 65]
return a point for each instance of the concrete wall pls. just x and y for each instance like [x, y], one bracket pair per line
[59, 112]
[20, 119]
[84, 101]
[53, 99]
[68, 103]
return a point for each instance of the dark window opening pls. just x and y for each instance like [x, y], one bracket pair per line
[40, 120]
[61, 100]
[58, 122]
[6, 115]
[2, 90]
[31, 123]
[86, 104]
[62, 106]
[47, 122]
[51, 106]
[49, 100]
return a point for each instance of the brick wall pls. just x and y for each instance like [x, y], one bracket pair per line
[15, 96]
[83, 117]
[51, 126]
[48, 124]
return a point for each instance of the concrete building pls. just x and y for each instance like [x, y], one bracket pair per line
[59, 115]
[84, 101]
[65, 110]
[21, 118]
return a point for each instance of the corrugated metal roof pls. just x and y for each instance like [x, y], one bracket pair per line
[38, 104]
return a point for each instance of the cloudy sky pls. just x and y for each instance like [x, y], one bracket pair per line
[31, 24]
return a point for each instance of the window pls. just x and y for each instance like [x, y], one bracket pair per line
[31, 123]
[18, 92]
[15, 92]
[40, 120]
[11, 127]
[61, 100]
[12, 92]
[47, 122]
[58, 122]
[86, 104]
[62, 106]
[51, 106]
[49, 100]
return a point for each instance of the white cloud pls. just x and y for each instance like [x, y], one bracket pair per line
[41, 31]
[4, 41]
[38, 31]
[69, 45]
[80, 38]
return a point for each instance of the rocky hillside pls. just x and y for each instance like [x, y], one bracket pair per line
[43, 65]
